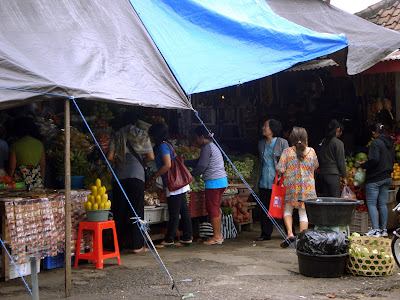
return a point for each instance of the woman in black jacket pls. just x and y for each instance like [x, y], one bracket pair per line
[379, 167]
[331, 159]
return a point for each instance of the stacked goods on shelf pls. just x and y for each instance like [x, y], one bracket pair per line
[188, 152]
[102, 111]
[36, 227]
[150, 199]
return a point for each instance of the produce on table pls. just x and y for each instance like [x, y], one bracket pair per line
[231, 190]
[396, 171]
[197, 184]
[244, 164]
[240, 209]
[100, 125]
[103, 140]
[189, 152]
[150, 199]
[361, 157]
[79, 141]
[97, 199]
[79, 163]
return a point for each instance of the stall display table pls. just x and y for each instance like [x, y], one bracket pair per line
[248, 225]
[33, 224]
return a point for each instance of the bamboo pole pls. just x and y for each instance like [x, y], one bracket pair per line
[67, 200]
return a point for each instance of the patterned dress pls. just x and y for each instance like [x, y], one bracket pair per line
[298, 176]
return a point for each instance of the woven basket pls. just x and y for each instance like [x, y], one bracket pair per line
[370, 260]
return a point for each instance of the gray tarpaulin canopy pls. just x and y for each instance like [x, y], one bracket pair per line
[93, 49]
[368, 43]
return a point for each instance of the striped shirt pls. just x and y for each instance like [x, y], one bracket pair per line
[210, 163]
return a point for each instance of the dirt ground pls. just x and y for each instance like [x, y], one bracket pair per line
[238, 269]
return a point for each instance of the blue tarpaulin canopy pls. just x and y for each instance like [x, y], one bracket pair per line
[100, 49]
[211, 44]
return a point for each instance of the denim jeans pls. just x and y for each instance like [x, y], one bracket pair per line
[377, 193]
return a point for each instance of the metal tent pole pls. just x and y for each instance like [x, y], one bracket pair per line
[67, 200]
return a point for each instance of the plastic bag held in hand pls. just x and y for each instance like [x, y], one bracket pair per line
[347, 193]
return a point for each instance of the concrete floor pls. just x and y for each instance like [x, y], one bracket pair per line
[238, 269]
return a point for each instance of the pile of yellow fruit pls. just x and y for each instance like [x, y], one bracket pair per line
[97, 199]
[396, 172]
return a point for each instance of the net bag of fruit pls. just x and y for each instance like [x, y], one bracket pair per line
[370, 256]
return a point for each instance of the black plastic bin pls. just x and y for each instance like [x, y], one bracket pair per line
[325, 211]
[327, 266]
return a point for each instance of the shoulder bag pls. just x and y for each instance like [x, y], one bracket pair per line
[148, 173]
[178, 175]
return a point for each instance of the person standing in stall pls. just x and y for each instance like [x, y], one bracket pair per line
[211, 165]
[297, 164]
[177, 203]
[332, 162]
[130, 173]
[270, 149]
[27, 159]
[381, 158]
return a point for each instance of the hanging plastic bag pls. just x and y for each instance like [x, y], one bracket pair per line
[359, 177]
[347, 193]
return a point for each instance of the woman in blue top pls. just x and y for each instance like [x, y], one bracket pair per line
[270, 149]
[177, 204]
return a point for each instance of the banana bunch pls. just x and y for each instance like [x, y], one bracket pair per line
[97, 199]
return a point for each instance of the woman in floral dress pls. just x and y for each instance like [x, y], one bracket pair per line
[297, 164]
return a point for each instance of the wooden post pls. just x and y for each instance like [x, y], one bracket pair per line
[67, 200]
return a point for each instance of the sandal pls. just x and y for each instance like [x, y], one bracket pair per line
[214, 242]
[165, 244]
[186, 243]
[288, 241]
[140, 250]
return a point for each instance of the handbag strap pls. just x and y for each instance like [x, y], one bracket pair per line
[276, 179]
[134, 153]
[170, 147]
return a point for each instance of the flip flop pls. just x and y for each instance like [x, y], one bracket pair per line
[167, 245]
[214, 242]
[141, 250]
[285, 243]
[187, 243]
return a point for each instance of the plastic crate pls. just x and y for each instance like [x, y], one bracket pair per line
[24, 269]
[361, 222]
[197, 204]
[153, 215]
[58, 261]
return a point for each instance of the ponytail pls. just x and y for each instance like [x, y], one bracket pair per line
[298, 138]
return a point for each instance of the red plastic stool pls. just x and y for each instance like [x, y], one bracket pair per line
[98, 255]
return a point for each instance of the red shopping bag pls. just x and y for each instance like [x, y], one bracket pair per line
[277, 198]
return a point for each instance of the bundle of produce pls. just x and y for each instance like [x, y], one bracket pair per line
[100, 125]
[189, 152]
[97, 199]
[243, 164]
[79, 141]
[105, 179]
[79, 163]
[102, 112]
[239, 207]
[47, 128]
[197, 184]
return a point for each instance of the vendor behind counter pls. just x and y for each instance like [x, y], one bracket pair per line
[26, 155]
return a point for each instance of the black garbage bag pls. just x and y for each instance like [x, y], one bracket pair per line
[322, 242]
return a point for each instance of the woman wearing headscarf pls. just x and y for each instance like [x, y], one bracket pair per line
[177, 203]
[131, 175]
[211, 165]
[332, 161]
[270, 149]
[381, 157]
[297, 164]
